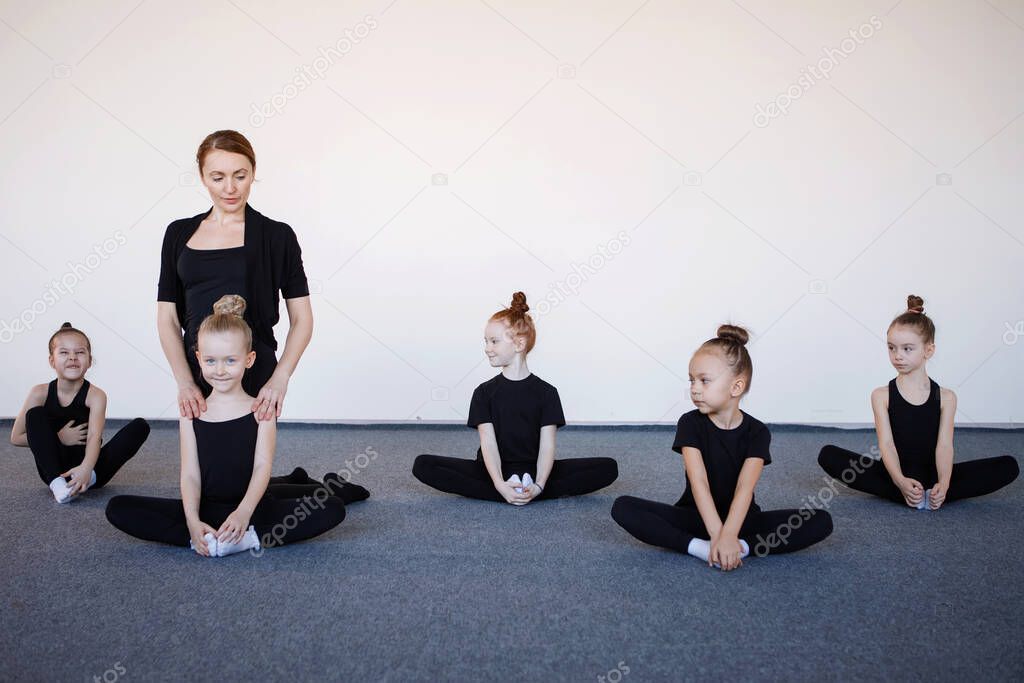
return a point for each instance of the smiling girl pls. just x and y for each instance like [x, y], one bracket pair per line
[914, 426]
[226, 458]
[515, 414]
[62, 423]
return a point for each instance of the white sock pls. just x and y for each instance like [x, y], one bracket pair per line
[59, 487]
[923, 505]
[249, 541]
[211, 544]
[527, 481]
[701, 549]
[515, 481]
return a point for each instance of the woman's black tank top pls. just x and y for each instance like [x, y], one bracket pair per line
[76, 411]
[226, 453]
[915, 433]
[207, 275]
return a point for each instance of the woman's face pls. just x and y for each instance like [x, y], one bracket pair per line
[228, 178]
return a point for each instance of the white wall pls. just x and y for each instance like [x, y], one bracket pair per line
[564, 127]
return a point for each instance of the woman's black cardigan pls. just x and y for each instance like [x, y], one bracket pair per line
[273, 263]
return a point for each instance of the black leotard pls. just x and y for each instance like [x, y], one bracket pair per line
[42, 428]
[76, 411]
[915, 432]
[208, 274]
[226, 453]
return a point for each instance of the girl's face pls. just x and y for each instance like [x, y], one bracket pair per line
[907, 350]
[712, 383]
[228, 178]
[70, 357]
[223, 359]
[500, 345]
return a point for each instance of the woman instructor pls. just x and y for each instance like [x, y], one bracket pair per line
[232, 249]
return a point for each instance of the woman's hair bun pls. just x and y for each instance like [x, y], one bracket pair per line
[915, 303]
[518, 305]
[230, 304]
[733, 333]
[66, 325]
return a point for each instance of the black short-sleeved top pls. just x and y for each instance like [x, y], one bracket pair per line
[517, 409]
[227, 452]
[723, 452]
[207, 275]
[273, 268]
[915, 432]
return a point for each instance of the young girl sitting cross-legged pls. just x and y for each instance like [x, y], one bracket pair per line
[516, 414]
[227, 502]
[62, 423]
[914, 425]
[724, 450]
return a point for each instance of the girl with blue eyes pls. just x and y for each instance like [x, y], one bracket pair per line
[228, 501]
[914, 425]
[724, 451]
[62, 423]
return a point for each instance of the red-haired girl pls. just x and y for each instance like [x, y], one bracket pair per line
[516, 414]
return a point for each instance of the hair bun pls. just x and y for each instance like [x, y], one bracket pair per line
[230, 304]
[734, 334]
[518, 305]
[66, 325]
[915, 303]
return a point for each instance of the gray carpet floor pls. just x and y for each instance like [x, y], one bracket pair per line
[421, 585]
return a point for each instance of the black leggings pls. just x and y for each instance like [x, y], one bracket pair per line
[766, 532]
[53, 457]
[867, 474]
[572, 477]
[278, 519]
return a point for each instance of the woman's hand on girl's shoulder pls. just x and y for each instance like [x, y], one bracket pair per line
[270, 400]
[190, 400]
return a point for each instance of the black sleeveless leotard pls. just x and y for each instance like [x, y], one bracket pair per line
[915, 433]
[226, 453]
[76, 411]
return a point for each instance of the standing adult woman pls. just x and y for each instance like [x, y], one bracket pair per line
[232, 249]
